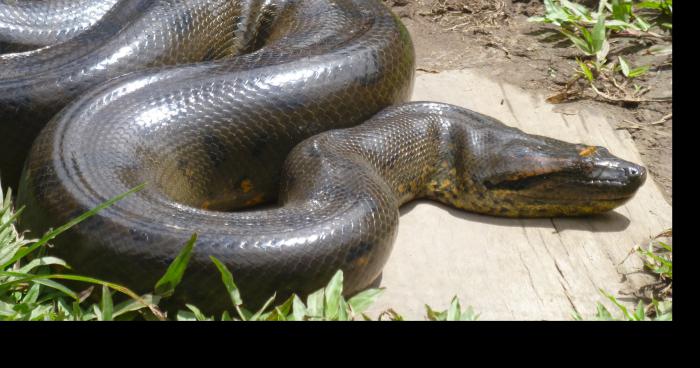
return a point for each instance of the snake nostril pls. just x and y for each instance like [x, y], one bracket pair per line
[636, 173]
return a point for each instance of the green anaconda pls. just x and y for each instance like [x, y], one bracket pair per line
[220, 105]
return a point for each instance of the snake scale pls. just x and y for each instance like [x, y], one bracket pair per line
[222, 105]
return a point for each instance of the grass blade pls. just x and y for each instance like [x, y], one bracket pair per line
[333, 292]
[298, 309]
[166, 285]
[361, 301]
[257, 315]
[454, 312]
[227, 279]
[107, 304]
[54, 233]
[314, 304]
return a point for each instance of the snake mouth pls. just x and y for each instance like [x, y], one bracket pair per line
[606, 180]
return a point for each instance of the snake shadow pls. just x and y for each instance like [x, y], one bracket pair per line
[612, 221]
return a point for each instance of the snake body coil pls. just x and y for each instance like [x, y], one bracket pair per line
[218, 94]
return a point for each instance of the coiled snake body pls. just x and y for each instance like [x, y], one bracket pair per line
[217, 95]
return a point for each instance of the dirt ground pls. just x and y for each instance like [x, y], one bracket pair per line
[494, 37]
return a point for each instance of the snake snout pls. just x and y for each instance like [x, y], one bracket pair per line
[636, 174]
[619, 176]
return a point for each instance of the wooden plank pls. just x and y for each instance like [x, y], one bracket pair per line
[522, 269]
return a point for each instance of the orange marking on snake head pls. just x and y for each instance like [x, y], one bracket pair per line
[587, 151]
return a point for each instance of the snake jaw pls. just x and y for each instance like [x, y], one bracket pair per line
[566, 179]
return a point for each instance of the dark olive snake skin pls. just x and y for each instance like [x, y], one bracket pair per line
[218, 97]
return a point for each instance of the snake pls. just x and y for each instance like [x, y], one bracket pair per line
[278, 131]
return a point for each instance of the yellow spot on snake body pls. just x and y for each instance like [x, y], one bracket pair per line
[402, 188]
[246, 185]
[205, 205]
[587, 151]
[361, 261]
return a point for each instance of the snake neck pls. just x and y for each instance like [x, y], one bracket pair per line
[473, 162]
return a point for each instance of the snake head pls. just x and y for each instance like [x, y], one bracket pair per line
[536, 176]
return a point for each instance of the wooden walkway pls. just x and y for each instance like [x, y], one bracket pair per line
[519, 269]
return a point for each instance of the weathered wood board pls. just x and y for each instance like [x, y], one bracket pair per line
[519, 269]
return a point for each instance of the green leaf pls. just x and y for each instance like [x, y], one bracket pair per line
[183, 315]
[314, 304]
[298, 308]
[649, 5]
[43, 261]
[602, 5]
[621, 307]
[97, 313]
[282, 311]
[622, 10]
[639, 312]
[469, 315]
[363, 300]
[434, 315]
[122, 289]
[554, 13]
[602, 313]
[107, 304]
[536, 19]
[642, 24]
[454, 311]
[225, 316]
[77, 313]
[664, 310]
[227, 279]
[343, 310]
[598, 36]
[197, 313]
[582, 44]
[9, 221]
[32, 294]
[665, 246]
[333, 294]
[259, 313]
[577, 9]
[585, 70]
[245, 314]
[624, 66]
[617, 24]
[393, 315]
[165, 287]
[636, 72]
[134, 305]
[52, 234]
[57, 286]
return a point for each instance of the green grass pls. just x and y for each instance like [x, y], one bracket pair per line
[591, 33]
[658, 260]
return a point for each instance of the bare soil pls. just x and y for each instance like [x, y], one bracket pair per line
[494, 37]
